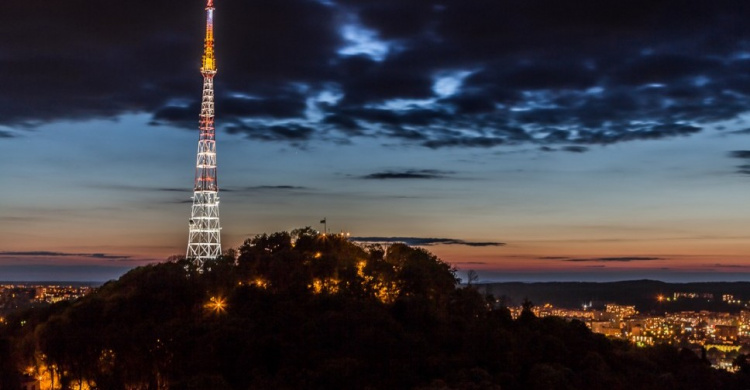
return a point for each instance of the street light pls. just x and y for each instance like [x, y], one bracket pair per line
[217, 304]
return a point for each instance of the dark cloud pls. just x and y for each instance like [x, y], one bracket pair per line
[7, 134]
[719, 265]
[180, 201]
[575, 149]
[275, 107]
[561, 75]
[470, 104]
[743, 169]
[290, 132]
[277, 188]
[742, 132]
[419, 241]
[613, 259]
[283, 105]
[604, 137]
[664, 68]
[61, 273]
[409, 174]
[343, 123]
[282, 187]
[571, 149]
[121, 187]
[482, 142]
[365, 80]
[63, 254]
[175, 115]
[14, 219]
[413, 115]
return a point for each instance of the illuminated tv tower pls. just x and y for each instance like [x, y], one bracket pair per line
[204, 242]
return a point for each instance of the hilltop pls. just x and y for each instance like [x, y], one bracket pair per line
[304, 310]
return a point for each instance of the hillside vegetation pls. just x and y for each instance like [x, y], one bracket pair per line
[301, 310]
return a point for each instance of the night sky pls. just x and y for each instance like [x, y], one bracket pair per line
[525, 139]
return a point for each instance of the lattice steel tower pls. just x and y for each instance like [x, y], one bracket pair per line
[204, 242]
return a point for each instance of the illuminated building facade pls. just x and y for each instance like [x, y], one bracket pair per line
[204, 240]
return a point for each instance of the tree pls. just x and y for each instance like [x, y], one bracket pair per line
[742, 362]
[150, 329]
[527, 315]
[422, 273]
[8, 375]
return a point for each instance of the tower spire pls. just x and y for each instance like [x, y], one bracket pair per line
[209, 62]
[204, 239]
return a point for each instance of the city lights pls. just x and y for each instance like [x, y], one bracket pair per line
[217, 305]
[723, 334]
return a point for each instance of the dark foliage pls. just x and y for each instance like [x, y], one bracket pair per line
[302, 310]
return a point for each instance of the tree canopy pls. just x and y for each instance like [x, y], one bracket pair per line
[304, 310]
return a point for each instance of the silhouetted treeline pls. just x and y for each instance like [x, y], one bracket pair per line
[305, 311]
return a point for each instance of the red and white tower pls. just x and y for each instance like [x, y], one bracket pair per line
[204, 241]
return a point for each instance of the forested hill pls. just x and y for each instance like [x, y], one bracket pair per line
[644, 294]
[305, 311]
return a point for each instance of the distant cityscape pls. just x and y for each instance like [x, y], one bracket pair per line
[17, 296]
[718, 336]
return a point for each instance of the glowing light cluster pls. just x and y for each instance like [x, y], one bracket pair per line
[328, 285]
[260, 282]
[48, 376]
[384, 291]
[209, 59]
[217, 305]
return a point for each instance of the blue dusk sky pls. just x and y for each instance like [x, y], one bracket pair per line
[524, 139]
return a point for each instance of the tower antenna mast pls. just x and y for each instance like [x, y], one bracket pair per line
[204, 239]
